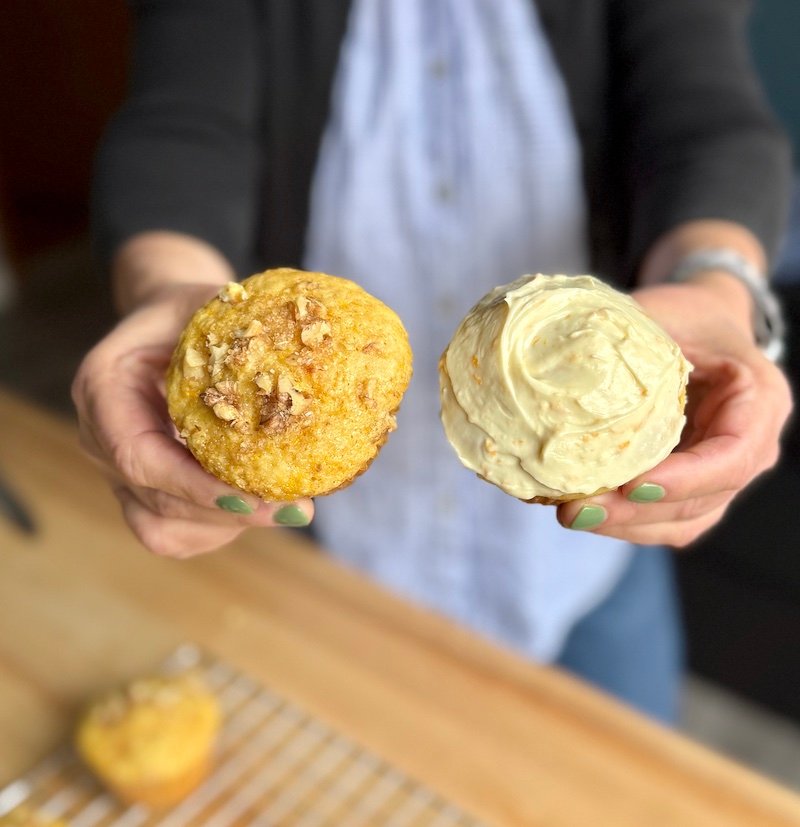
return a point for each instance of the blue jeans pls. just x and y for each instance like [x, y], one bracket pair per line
[631, 645]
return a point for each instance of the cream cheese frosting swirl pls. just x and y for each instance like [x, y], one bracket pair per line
[556, 387]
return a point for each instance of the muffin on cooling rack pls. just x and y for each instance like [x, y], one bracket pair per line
[151, 742]
[287, 384]
[559, 387]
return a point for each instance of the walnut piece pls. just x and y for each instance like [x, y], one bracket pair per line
[285, 383]
[301, 308]
[299, 402]
[223, 410]
[194, 364]
[217, 358]
[232, 293]
[314, 333]
[228, 389]
[307, 307]
[255, 328]
[237, 354]
[223, 400]
[194, 358]
[265, 381]
[281, 404]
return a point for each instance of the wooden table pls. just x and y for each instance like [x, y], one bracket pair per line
[83, 606]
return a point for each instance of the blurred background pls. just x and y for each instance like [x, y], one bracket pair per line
[62, 74]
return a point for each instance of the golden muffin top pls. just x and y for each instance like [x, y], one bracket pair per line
[286, 385]
[154, 728]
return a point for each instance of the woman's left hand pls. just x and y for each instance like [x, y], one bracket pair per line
[738, 404]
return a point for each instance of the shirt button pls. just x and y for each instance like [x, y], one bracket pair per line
[445, 304]
[444, 192]
[438, 67]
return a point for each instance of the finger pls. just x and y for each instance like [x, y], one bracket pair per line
[173, 538]
[677, 534]
[737, 438]
[154, 461]
[619, 510]
[166, 505]
[128, 427]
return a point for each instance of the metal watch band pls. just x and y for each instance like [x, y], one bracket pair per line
[768, 322]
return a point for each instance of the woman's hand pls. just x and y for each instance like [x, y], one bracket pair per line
[738, 404]
[172, 505]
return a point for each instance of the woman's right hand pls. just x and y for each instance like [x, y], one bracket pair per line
[172, 505]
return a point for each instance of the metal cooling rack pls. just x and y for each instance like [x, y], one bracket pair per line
[277, 766]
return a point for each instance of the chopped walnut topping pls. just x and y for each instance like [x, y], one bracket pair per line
[313, 333]
[211, 396]
[237, 354]
[232, 293]
[158, 692]
[194, 358]
[299, 402]
[223, 400]
[284, 383]
[228, 388]
[265, 381]
[218, 353]
[301, 308]
[309, 308]
[193, 364]
[255, 328]
[223, 410]
[275, 414]
[281, 404]
[217, 358]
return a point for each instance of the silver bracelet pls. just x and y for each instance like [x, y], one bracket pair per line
[768, 322]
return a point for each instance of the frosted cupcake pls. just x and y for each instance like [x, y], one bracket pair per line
[556, 388]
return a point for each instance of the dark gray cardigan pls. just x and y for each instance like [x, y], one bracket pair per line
[229, 99]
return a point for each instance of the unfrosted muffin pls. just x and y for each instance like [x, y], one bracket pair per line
[152, 742]
[287, 384]
[559, 387]
[25, 816]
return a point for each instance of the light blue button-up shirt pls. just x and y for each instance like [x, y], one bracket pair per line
[450, 164]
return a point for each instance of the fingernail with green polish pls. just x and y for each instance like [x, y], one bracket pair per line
[291, 515]
[589, 517]
[647, 492]
[234, 504]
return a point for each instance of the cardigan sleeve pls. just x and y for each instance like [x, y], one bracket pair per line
[181, 153]
[695, 131]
